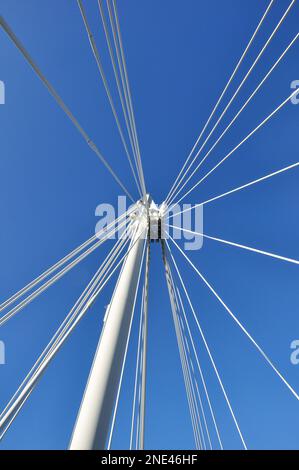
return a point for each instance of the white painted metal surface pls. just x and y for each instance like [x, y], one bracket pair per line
[92, 425]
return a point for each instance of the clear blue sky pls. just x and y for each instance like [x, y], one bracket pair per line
[179, 56]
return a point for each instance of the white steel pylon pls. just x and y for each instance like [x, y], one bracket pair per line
[93, 420]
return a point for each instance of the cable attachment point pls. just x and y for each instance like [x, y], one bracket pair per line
[156, 231]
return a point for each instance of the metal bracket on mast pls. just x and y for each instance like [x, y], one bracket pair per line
[156, 222]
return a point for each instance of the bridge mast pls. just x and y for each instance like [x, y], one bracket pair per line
[93, 420]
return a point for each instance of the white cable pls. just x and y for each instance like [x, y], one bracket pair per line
[222, 95]
[128, 88]
[96, 54]
[138, 408]
[240, 144]
[34, 379]
[191, 386]
[122, 78]
[11, 313]
[202, 379]
[260, 350]
[236, 116]
[194, 386]
[239, 188]
[189, 366]
[125, 81]
[57, 265]
[72, 314]
[198, 441]
[124, 88]
[174, 307]
[136, 373]
[144, 348]
[208, 351]
[60, 102]
[118, 84]
[244, 80]
[14, 416]
[188, 390]
[237, 245]
[45, 274]
[65, 325]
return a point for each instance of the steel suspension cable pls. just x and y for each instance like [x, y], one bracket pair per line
[128, 86]
[189, 391]
[11, 313]
[235, 117]
[60, 263]
[124, 92]
[137, 370]
[201, 374]
[196, 358]
[237, 245]
[252, 340]
[118, 83]
[62, 105]
[96, 54]
[115, 27]
[137, 437]
[57, 345]
[138, 408]
[174, 307]
[114, 252]
[193, 381]
[222, 95]
[257, 128]
[208, 349]
[189, 366]
[245, 78]
[144, 350]
[14, 403]
[239, 188]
